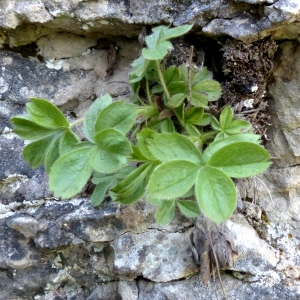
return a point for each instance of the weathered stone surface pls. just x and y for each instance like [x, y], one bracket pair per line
[54, 250]
[194, 289]
[286, 91]
[128, 290]
[105, 291]
[111, 18]
[155, 255]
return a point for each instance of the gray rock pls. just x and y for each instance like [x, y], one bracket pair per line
[28, 226]
[193, 289]
[105, 291]
[284, 90]
[128, 290]
[155, 255]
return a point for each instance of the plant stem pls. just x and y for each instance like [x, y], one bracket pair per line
[207, 135]
[148, 92]
[76, 122]
[162, 80]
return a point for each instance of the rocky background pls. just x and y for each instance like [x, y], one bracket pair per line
[72, 51]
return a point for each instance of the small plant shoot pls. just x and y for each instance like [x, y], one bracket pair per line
[166, 146]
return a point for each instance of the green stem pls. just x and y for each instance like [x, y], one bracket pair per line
[207, 135]
[148, 92]
[76, 122]
[162, 80]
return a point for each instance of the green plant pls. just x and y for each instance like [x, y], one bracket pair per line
[167, 146]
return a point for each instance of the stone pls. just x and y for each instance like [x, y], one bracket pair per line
[155, 255]
[128, 290]
[52, 249]
[284, 91]
[193, 289]
[105, 291]
[28, 226]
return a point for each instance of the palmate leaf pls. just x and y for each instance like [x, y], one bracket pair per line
[240, 159]
[227, 125]
[215, 193]
[48, 149]
[203, 88]
[172, 179]
[70, 173]
[158, 46]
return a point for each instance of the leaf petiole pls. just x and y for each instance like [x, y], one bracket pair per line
[76, 122]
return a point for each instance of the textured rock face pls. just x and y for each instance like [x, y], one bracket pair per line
[51, 249]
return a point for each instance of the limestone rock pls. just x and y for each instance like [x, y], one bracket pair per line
[285, 91]
[193, 289]
[155, 255]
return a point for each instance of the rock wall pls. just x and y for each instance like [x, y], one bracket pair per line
[53, 249]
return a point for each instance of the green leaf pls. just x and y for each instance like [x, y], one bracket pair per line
[226, 117]
[170, 33]
[167, 126]
[118, 115]
[159, 52]
[100, 191]
[35, 152]
[215, 124]
[217, 145]
[157, 89]
[26, 129]
[111, 152]
[139, 66]
[52, 154]
[176, 100]
[136, 187]
[130, 180]
[70, 173]
[172, 179]
[189, 208]
[177, 87]
[192, 130]
[216, 194]
[198, 99]
[211, 88]
[68, 141]
[92, 114]
[154, 201]
[171, 75]
[172, 146]
[165, 212]
[99, 177]
[203, 74]
[240, 159]
[46, 114]
[196, 116]
[142, 146]
[238, 126]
